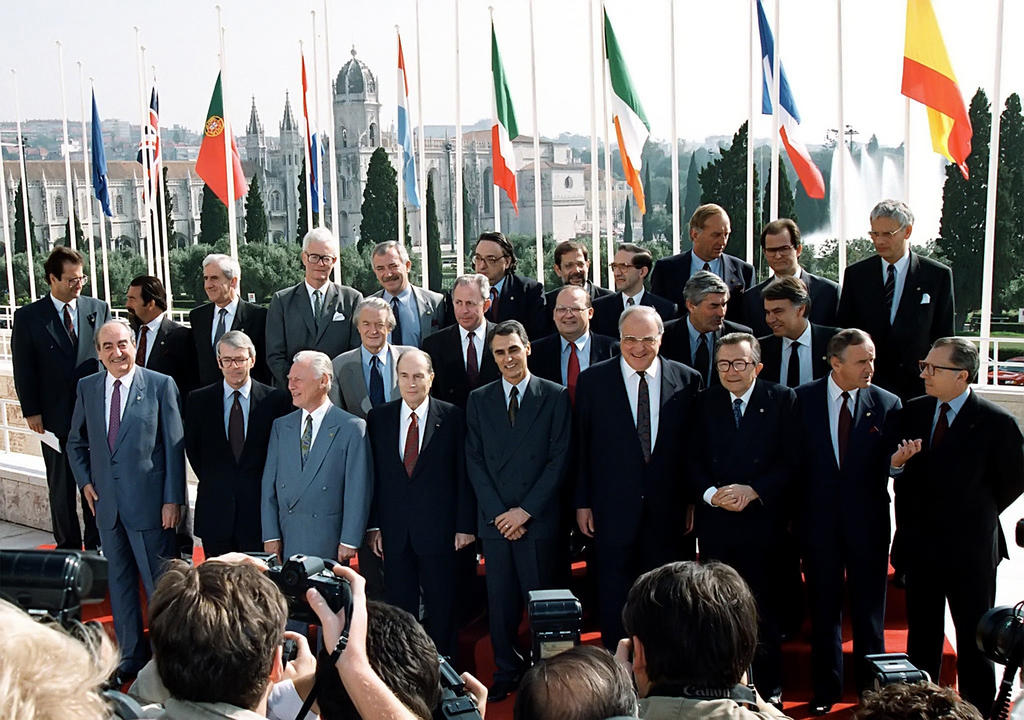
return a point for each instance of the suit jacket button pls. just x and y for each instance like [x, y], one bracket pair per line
[290, 511]
[324, 488]
[314, 515]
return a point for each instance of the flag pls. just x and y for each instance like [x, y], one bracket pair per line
[789, 118]
[405, 132]
[310, 144]
[99, 162]
[504, 130]
[150, 145]
[631, 126]
[928, 78]
[210, 164]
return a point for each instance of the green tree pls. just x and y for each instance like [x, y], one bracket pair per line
[213, 218]
[824, 259]
[19, 224]
[267, 267]
[724, 181]
[302, 225]
[1008, 280]
[627, 223]
[164, 209]
[255, 213]
[380, 202]
[433, 241]
[787, 209]
[122, 266]
[649, 202]
[469, 233]
[79, 235]
[356, 270]
[691, 198]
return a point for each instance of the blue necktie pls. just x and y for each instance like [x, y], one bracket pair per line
[376, 383]
[737, 411]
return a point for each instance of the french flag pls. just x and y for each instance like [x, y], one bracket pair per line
[789, 118]
[405, 132]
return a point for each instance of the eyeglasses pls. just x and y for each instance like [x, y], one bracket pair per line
[886, 235]
[622, 266]
[317, 259]
[928, 369]
[78, 281]
[489, 259]
[781, 250]
[233, 362]
[738, 365]
[633, 340]
[566, 310]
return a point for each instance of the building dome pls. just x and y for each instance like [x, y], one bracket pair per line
[355, 78]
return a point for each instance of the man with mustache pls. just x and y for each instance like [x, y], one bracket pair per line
[572, 266]
[418, 312]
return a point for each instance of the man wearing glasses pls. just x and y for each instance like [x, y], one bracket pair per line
[227, 430]
[742, 465]
[53, 347]
[630, 268]
[316, 314]
[782, 247]
[958, 465]
[512, 296]
[903, 300]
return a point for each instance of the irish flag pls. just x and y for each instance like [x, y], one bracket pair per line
[210, 165]
[631, 126]
[504, 130]
[928, 78]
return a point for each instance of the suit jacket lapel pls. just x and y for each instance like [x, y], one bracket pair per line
[529, 407]
[393, 372]
[430, 427]
[352, 380]
[136, 394]
[669, 386]
[56, 326]
[962, 424]
[423, 311]
[911, 295]
[324, 438]
[330, 305]
[238, 322]
[302, 306]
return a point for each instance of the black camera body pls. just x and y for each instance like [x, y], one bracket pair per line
[556, 621]
[53, 582]
[298, 574]
[455, 701]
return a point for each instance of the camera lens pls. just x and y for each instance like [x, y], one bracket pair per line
[1001, 635]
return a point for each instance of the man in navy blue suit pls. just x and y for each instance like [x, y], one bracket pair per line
[631, 266]
[843, 509]
[512, 296]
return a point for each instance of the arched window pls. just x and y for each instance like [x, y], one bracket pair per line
[487, 191]
[568, 182]
[344, 137]
[373, 134]
[275, 201]
[58, 206]
[344, 188]
[119, 205]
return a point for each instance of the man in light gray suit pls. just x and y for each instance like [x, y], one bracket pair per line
[316, 314]
[366, 377]
[127, 452]
[418, 312]
[317, 481]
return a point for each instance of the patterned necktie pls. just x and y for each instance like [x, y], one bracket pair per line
[115, 415]
[941, 426]
[630, 302]
[572, 372]
[643, 416]
[236, 426]
[513, 405]
[737, 411]
[70, 326]
[376, 382]
[318, 308]
[412, 445]
[843, 430]
[702, 359]
[396, 334]
[472, 366]
[793, 373]
[221, 327]
[889, 290]
[306, 442]
[707, 267]
[140, 354]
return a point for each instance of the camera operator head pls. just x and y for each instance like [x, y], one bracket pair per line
[582, 683]
[400, 652]
[917, 701]
[691, 625]
[45, 673]
[216, 630]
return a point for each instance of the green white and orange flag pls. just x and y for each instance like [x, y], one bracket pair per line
[631, 126]
[210, 165]
[928, 78]
[504, 130]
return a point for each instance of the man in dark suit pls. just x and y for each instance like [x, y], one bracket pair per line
[904, 301]
[52, 347]
[743, 466]
[691, 340]
[316, 314]
[709, 233]
[959, 465]
[461, 359]
[422, 500]
[513, 297]
[516, 458]
[630, 266]
[573, 348]
[572, 266]
[227, 429]
[842, 510]
[161, 344]
[127, 453]
[633, 417]
[226, 311]
[418, 312]
[795, 352]
[780, 242]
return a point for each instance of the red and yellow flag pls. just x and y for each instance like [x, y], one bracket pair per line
[928, 78]
[210, 165]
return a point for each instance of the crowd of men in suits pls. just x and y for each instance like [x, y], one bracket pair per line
[412, 428]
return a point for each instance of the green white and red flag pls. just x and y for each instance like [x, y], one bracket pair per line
[504, 130]
[631, 126]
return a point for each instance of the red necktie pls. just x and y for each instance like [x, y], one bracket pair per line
[70, 326]
[572, 372]
[472, 366]
[114, 424]
[412, 445]
[941, 426]
[140, 354]
[843, 429]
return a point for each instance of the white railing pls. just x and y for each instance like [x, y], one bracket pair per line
[1007, 374]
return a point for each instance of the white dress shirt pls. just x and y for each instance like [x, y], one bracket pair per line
[323, 295]
[152, 328]
[404, 420]
[72, 306]
[243, 401]
[835, 404]
[632, 380]
[479, 339]
[318, 419]
[229, 318]
[901, 266]
[745, 397]
[803, 352]
[108, 393]
[636, 298]
[520, 386]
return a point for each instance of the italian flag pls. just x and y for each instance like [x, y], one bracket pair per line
[503, 158]
[210, 165]
[631, 126]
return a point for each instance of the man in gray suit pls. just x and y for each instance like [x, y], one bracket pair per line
[418, 312]
[316, 314]
[516, 458]
[127, 451]
[317, 481]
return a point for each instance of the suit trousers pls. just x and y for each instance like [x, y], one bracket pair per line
[408, 572]
[971, 591]
[67, 533]
[372, 569]
[132, 554]
[514, 568]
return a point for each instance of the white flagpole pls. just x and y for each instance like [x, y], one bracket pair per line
[595, 196]
[460, 250]
[776, 79]
[906, 150]
[161, 193]
[401, 160]
[332, 159]
[424, 252]
[606, 111]
[72, 236]
[675, 129]
[841, 184]
[87, 170]
[751, 189]
[494, 107]
[103, 237]
[228, 158]
[990, 204]
[29, 239]
[309, 159]
[316, 124]
[145, 224]
[8, 236]
[538, 210]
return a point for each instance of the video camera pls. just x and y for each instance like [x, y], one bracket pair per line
[53, 583]
[301, 572]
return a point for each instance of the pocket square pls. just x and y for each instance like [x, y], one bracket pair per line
[338, 317]
[925, 299]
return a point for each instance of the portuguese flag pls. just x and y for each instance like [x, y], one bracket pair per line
[210, 165]
[504, 130]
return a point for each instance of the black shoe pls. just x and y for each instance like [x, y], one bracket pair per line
[501, 689]
[121, 680]
[899, 580]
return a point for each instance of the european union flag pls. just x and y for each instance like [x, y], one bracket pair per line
[99, 162]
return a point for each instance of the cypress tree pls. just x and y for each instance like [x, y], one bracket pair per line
[433, 240]
[255, 213]
[213, 218]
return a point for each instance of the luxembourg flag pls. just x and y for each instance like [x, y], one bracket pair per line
[806, 170]
[405, 132]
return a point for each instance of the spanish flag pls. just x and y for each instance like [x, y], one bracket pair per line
[928, 78]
